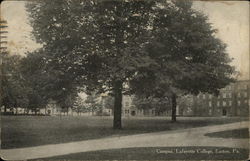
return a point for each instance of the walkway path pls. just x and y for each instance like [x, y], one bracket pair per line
[185, 137]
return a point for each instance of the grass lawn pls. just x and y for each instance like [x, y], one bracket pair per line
[27, 131]
[236, 133]
[160, 153]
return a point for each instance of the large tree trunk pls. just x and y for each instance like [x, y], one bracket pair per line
[174, 107]
[117, 122]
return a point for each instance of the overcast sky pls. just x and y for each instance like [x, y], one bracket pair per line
[230, 18]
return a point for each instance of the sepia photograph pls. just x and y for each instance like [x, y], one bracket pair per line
[124, 80]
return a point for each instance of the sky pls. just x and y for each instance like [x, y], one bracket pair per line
[232, 21]
[231, 18]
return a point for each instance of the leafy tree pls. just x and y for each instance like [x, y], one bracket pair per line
[17, 90]
[79, 105]
[49, 83]
[131, 47]
[160, 105]
[35, 101]
[93, 103]
[99, 41]
[190, 58]
[185, 104]
[14, 89]
[108, 102]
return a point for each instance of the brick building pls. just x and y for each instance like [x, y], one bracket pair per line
[129, 109]
[233, 100]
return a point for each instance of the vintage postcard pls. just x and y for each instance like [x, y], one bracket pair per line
[124, 80]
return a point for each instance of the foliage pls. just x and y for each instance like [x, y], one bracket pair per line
[158, 48]
[13, 85]
[79, 105]
[186, 51]
[108, 102]
[93, 103]
[17, 92]
[49, 83]
[95, 43]
[160, 105]
[104, 39]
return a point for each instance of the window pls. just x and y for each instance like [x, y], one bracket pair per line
[218, 103]
[245, 86]
[204, 96]
[238, 103]
[224, 95]
[210, 112]
[239, 95]
[219, 96]
[230, 103]
[210, 104]
[224, 103]
[126, 103]
[210, 96]
[245, 94]
[246, 101]
[230, 95]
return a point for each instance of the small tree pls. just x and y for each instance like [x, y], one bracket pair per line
[93, 103]
[79, 105]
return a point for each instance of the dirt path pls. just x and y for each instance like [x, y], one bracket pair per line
[186, 137]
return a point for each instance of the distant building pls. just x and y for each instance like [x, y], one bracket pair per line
[233, 100]
[52, 108]
[129, 109]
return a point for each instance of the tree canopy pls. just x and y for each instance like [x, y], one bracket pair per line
[14, 93]
[125, 46]
[186, 51]
[50, 83]
[16, 88]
